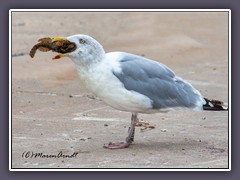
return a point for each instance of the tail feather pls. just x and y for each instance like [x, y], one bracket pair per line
[214, 105]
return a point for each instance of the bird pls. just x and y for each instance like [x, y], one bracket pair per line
[132, 83]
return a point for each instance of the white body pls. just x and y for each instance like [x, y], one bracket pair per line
[96, 70]
[101, 81]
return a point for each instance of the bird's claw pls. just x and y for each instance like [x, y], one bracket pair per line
[117, 145]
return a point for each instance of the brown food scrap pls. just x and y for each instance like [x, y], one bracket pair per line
[46, 44]
[144, 125]
[46, 40]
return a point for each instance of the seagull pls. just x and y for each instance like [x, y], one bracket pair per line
[133, 83]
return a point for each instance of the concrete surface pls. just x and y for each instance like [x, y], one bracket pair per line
[53, 113]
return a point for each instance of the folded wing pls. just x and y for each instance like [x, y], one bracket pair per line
[157, 82]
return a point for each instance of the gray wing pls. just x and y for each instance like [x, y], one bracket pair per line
[157, 82]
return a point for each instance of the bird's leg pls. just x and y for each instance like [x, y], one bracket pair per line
[120, 145]
[134, 120]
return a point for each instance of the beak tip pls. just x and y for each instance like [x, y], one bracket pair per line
[58, 56]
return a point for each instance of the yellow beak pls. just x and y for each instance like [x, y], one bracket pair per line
[58, 38]
[59, 56]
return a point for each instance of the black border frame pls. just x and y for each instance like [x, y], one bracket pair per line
[133, 169]
[170, 4]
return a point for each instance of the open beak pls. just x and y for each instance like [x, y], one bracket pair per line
[59, 55]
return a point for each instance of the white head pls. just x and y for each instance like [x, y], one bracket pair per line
[88, 51]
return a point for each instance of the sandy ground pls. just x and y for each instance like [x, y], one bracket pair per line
[52, 112]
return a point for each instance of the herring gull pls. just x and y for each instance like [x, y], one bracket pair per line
[133, 83]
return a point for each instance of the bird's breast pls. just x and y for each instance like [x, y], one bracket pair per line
[103, 83]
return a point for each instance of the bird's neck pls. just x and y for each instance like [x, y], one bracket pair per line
[90, 76]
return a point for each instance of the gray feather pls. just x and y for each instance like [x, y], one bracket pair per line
[157, 82]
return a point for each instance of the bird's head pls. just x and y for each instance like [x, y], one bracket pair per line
[88, 49]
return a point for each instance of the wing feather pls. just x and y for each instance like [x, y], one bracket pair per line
[157, 82]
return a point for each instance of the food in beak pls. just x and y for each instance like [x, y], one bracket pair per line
[61, 46]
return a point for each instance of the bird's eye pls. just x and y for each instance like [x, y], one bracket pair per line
[82, 41]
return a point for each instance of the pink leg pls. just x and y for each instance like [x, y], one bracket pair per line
[121, 145]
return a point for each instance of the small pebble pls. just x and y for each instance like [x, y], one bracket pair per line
[84, 139]
[163, 130]
[105, 125]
